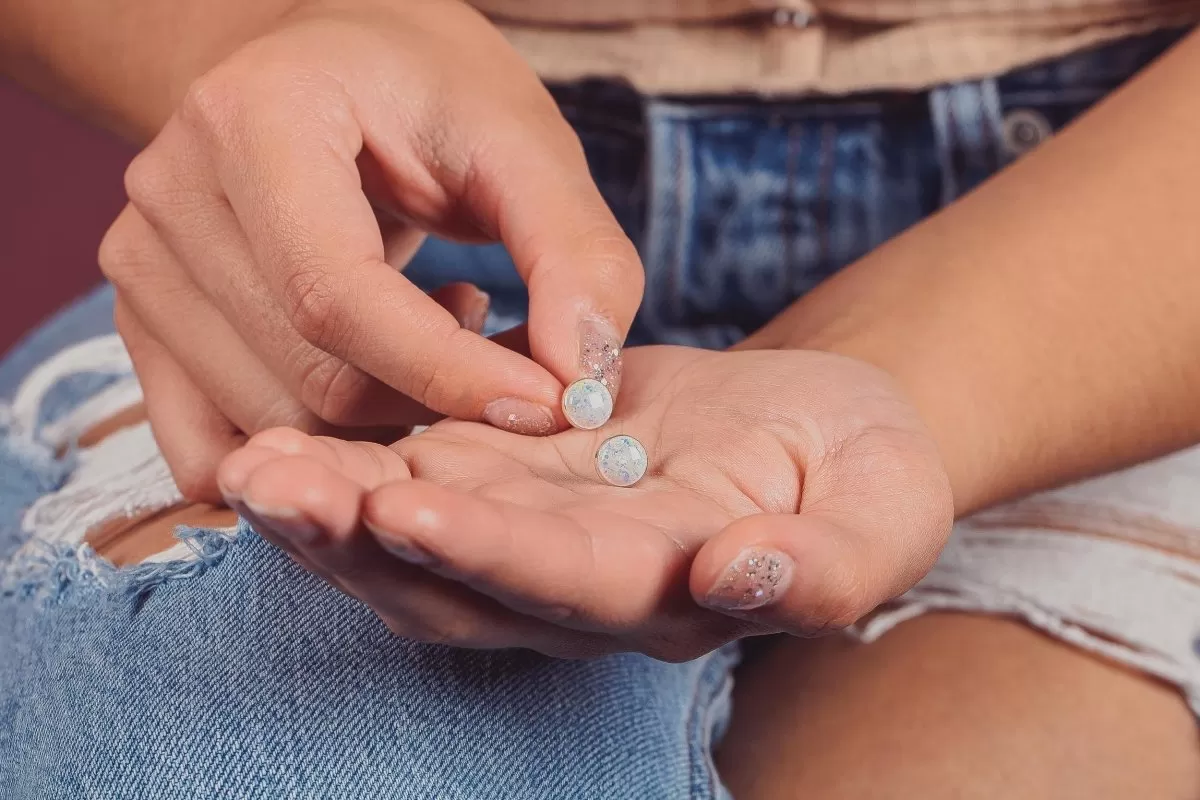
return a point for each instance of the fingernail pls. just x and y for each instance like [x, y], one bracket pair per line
[230, 497]
[754, 579]
[287, 523]
[400, 547]
[519, 416]
[474, 319]
[600, 352]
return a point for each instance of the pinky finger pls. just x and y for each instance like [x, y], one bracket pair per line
[191, 432]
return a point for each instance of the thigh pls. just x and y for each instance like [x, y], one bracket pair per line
[1053, 652]
[237, 674]
[220, 668]
[955, 706]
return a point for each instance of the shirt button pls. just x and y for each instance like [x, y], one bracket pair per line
[1024, 129]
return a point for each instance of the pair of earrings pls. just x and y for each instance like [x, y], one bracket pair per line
[620, 460]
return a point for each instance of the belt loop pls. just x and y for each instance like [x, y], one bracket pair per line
[968, 128]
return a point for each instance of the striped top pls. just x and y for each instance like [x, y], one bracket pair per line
[775, 47]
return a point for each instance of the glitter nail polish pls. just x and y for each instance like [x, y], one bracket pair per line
[757, 577]
[621, 460]
[600, 353]
[519, 416]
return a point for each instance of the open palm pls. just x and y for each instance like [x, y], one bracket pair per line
[787, 490]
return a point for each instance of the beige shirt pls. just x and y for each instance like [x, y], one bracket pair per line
[778, 47]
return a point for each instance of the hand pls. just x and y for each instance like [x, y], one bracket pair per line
[806, 464]
[256, 265]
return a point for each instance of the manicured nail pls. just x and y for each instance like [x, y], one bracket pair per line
[519, 416]
[757, 577]
[287, 523]
[401, 547]
[600, 353]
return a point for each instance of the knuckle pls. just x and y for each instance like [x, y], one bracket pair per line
[427, 385]
[604, 254]
[151, 184]
[424, 376]
[334, 390]
[315, 307]
[119, 256]
[614, 272]
[612, 254]
[214, 102]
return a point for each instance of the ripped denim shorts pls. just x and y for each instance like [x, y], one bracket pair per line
[221, 668]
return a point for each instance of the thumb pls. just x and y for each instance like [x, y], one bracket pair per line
[583, 273]
[873, 518]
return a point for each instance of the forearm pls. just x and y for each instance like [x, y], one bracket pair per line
[1048, 325]
[124, 63]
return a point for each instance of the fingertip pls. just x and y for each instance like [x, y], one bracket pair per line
[797, 573]
[300, 497]
[234, 471]
[721, 557]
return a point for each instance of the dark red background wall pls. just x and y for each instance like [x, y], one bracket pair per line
[60, 186]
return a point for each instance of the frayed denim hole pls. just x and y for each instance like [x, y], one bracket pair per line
[65, 396]
[47, 571]
[28, 470]
[206, 547]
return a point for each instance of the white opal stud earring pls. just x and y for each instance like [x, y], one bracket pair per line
[621, 460]
[587, 404]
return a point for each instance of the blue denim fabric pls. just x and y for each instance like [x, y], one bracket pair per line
[739, 206]
[237, 674]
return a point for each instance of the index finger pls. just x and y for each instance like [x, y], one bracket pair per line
[292, 181]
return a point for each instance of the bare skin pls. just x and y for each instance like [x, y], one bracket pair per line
[299, 153]
[1070, 272]
[472, 536]
[951, 707]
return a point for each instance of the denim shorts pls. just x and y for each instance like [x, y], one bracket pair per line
[221, 668]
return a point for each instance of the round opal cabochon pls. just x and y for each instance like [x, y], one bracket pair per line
[621, 460]
[587, 404]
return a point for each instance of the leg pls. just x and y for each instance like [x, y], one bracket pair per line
[955, 706]
[223, 667]
[1075, 681]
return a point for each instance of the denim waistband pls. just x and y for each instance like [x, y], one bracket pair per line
[739, 204]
